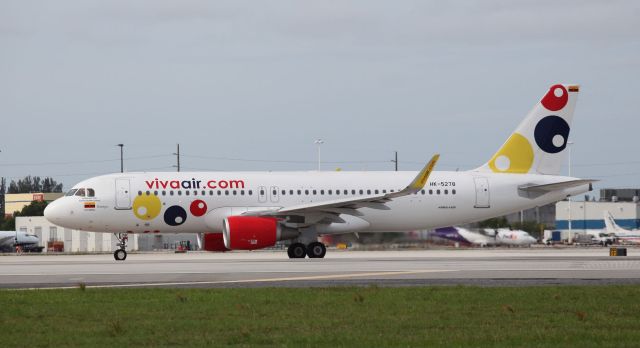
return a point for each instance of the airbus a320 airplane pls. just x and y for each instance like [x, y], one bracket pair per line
[253, 210]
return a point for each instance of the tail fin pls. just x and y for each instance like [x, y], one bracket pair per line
[538, 145]
[610, 223]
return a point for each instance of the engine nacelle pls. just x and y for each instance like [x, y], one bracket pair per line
[253, 232]
[213, 242]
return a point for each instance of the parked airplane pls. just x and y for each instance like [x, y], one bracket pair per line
[462, 235]
[505, 236]
[253, 210]
[623, 235]
[10, 239]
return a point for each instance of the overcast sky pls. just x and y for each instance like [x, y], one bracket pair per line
[256, 82]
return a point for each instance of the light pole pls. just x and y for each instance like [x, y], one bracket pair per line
[569, 143]
[319, 142]
[396, 161]
[121, 157]
[177, 154]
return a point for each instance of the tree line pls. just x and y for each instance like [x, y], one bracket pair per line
[28, 184]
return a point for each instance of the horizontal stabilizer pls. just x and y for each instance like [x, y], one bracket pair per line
[555, 186]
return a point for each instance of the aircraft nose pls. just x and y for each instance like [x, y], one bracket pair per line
[53, 212]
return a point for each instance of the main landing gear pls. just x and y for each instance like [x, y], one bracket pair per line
[315, 250]
[121, 254]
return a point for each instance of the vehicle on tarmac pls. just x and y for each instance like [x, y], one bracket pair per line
[254, 210]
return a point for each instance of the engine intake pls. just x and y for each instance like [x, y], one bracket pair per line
[253, 232]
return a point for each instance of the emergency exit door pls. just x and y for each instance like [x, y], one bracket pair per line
[482, 192]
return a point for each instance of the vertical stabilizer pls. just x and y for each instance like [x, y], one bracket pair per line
[538, 145]
[610, 223]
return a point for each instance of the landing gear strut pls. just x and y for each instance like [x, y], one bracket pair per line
[121, 254]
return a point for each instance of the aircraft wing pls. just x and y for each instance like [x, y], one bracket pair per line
[556, 186]
[351, 204]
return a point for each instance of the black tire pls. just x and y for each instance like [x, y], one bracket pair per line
[316, 250]
[120, 255]
[297, 251]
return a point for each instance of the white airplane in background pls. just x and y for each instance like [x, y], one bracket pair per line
[253, 210]
[463, 235]
[10, 239]
[505, 236]
[623, 235]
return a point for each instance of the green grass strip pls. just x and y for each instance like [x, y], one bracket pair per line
[566, 316]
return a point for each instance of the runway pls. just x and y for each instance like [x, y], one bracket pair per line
[482, 267]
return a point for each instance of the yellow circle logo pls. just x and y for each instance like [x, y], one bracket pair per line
[146, 207]
[515, 156]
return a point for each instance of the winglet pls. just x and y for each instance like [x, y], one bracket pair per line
[421, 179]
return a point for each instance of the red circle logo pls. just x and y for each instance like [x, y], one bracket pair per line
[198, 208]
[556, 98]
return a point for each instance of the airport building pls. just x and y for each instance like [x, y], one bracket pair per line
[623, 205]
[59, 239]
[16, 201]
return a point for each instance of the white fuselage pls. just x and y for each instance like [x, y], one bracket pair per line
[448, 198]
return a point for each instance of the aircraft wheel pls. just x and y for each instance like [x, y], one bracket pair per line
[297, 251]
[120, 255]
[316, 250]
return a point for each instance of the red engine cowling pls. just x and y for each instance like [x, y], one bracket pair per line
[213, 242]
[250, 232]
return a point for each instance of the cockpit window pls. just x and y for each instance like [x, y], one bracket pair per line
[71, 192]
[91, 192]
[80, 192]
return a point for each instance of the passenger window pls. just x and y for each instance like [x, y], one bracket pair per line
[204, 193]
[361, 191]
[147, 193]
[219, 192]
[284, 192]
[186, 193]
[139, 193]
[226, 192]
[314, 192]
[353, 192]
[179, 192]
[376, 192]
[299, 192]
[170, 193]
[437, 192]
[453, 192]
[235, 192]
[250, 192]
[80, 192]
[155, 193]
[242, 192]
[274, 192]
[164, 193]
[430, 192]
[306, 192]
[291, 192]
[422, 191]
[368, 192]
[337, 192]
[71, 192]
[384, 191]
[261, 192]
[91, 192]
[446, 192]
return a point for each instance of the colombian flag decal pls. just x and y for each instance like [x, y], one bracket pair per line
[89, 205]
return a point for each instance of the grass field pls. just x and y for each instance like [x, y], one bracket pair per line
[594, 316]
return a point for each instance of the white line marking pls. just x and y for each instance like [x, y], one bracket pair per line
[262, 280]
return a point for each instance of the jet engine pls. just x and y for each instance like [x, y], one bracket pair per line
[214, 242]
[254, 232]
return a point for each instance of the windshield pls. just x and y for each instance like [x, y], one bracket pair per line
[71, 192]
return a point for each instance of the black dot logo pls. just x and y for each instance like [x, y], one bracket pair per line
[552, 133]
[175, 216]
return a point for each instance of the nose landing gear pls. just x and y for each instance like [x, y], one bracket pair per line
[121, 254]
